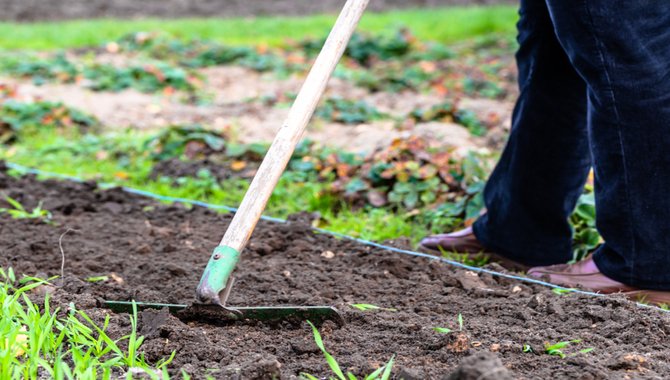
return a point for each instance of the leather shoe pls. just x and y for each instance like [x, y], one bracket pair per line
[465, 242]
[586, 275]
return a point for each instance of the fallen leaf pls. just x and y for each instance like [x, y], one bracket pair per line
[238, 165]
[121, 175]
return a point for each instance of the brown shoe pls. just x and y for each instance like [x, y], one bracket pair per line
[586, 275]
[465, 242]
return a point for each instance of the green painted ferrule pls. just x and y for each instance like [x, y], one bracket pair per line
[221, 264]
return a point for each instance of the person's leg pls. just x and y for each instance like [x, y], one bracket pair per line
[622, 50]
[542, 171]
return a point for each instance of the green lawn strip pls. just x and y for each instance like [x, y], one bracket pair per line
[449, 24]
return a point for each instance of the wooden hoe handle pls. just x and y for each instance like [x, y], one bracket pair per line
[225, 256]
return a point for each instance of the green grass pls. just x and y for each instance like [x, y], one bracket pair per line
[381, 373]
[39, 342]
[289, 197]
[442, 24]
[18, 211]
[557, 349]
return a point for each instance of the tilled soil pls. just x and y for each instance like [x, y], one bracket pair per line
[156, 252]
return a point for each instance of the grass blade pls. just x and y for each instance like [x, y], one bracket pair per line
[334, 366]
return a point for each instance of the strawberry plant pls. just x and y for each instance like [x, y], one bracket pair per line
[482, 87]
[412, 194]
[194, 53]
[347, 111]
[583, 220]
[248, 152]
[469, 120]
[146, 78]
[448, 112]
[391, 76]
[199, 53]
[41, 70]
[187, 142]
[17, 117]
[214, 55]
[409, 174]
[432, 52]
[383, 62]
[366, 49]
[150, 77]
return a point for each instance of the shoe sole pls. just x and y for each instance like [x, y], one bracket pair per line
[649, 297]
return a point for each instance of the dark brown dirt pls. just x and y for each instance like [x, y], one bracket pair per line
[176, 168]
[157, 252]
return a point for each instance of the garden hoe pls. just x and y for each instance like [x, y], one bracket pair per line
[217, 282]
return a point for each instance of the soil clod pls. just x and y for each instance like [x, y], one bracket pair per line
[481, 366]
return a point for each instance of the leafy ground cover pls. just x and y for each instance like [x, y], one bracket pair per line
[160, 63]
[449, 112]
[20, 118]
[352, 193]
[376, 62]
[148, 77]
[395, 61]
[410, 188]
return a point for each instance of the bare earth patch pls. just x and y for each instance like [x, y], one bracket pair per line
[235, 106]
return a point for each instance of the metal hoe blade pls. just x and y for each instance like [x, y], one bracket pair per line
[315, 314]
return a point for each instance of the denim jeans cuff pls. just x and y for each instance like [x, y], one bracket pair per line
[623, 275]
[534, 257]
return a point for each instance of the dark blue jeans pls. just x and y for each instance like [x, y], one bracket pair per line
[594, 77]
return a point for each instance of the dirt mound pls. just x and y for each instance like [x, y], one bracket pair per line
[254, 122]
[176, 168]
[157, 252]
